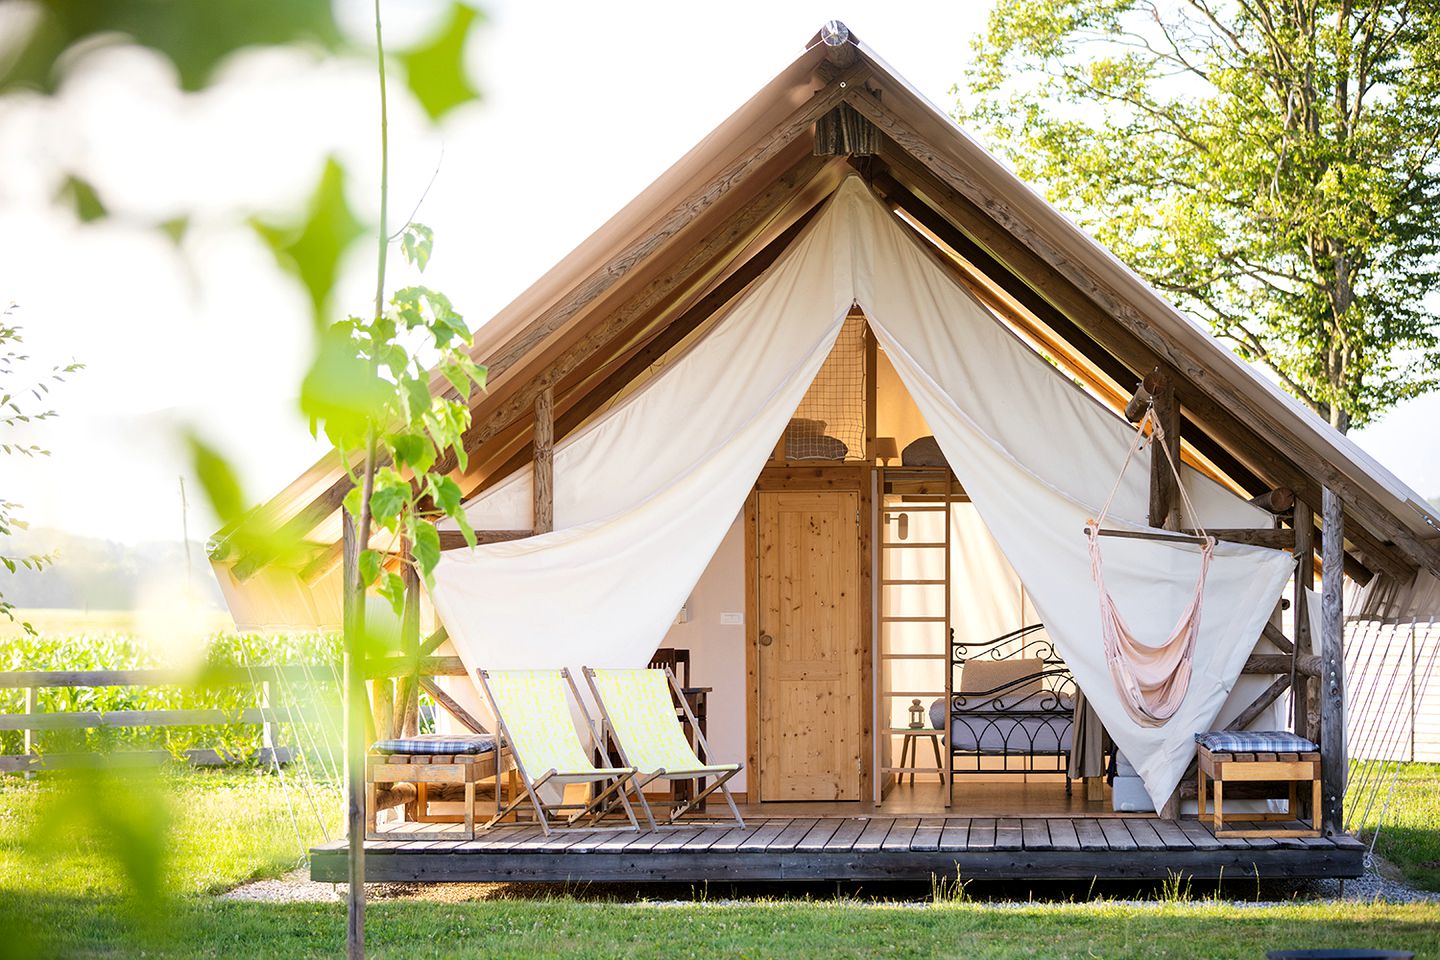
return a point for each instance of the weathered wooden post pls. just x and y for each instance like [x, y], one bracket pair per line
[1332, 667]
[545, 461]
[1302, 693]
[357, 706]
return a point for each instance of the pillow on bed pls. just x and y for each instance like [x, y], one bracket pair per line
[800, 427]
[815, 448]
[977, 676]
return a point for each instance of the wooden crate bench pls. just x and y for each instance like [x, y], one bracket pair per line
[1290, 768]
[427, 772]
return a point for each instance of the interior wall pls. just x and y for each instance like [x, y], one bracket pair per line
[895, 412]
[717, 647]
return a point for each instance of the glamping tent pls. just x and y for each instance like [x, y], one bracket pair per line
[1094, 530]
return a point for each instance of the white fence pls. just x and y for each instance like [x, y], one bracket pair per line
[1392, 691]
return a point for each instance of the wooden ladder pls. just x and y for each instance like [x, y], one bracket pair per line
[912, 490]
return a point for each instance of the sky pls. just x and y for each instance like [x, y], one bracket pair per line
[583, 105]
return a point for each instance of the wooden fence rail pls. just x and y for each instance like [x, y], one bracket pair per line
[262, 714]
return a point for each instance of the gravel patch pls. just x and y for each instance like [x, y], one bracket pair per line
[1379, 884]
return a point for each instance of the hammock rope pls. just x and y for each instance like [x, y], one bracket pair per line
[1152, 680]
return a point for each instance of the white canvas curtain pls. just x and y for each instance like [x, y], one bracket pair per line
[644, 495]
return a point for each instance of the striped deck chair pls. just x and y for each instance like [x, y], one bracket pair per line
[532, 709]
[639, 713]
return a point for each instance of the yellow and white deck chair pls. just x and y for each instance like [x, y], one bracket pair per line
[639, 714]
[532, 709]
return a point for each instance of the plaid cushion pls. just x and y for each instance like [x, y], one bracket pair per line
[1254, 741]
[436, 743]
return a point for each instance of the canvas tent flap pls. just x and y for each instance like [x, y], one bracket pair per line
[644, 495]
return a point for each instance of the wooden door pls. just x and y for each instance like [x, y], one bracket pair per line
[809, 646]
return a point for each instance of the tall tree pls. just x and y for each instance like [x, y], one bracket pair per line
[1270, 164]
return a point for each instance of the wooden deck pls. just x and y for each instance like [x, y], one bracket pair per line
[850, 848]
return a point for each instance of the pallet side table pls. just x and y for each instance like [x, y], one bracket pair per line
[465, 770]
[1293, 769]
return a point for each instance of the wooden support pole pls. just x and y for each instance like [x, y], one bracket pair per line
[433, 642]
[452, 706]
[407, 695]
[1304, 697]
[1332, 657]
[356, 712]
[1262, 702]
[872, 362]
[545, 461]
[1164, 487]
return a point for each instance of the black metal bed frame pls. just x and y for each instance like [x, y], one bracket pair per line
[979, 713]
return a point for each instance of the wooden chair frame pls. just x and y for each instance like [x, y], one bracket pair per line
[678, 810]
[600, 802]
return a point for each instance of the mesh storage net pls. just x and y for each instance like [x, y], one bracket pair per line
[829, 424]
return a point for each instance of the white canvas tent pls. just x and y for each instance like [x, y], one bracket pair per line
[730, 276]
[644, 495]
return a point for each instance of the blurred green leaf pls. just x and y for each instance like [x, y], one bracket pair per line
[194, 34]
[435, 71]
[341, 389]
[83, 197]
[416, 243]
[217, 479]
[312, 249]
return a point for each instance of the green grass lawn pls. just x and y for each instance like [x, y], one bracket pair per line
[1410, 839]
[67, 898]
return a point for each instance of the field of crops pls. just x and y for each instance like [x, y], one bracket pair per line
[87, 648]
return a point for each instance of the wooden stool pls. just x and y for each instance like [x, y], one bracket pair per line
[465, 770]
[910, 747]
[1293, 769]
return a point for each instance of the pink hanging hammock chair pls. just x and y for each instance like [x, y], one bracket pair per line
[1152, 680]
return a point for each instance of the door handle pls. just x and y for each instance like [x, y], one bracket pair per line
[766, 639]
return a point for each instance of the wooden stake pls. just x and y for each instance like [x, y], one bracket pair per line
[545, 461]
[1332, 658]
[356, 711]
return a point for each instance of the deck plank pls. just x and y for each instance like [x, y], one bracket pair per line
[675, 838]
[761, 838]
[1091, 837]
[1008, 835]
[956, 834]
[737, 836]
[792, 835]
[1035, 833]
[1169, 831]
[819, 835]
[982, 834]
[1062, 835]
[1198, 834]
[848, 833]
[1116, 835]
[709, 836]
[620, 840]
[1143, 832]
[927, 835]
[873, 835]
[901, 832]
